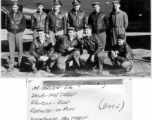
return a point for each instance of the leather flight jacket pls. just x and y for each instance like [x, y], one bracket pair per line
[92, 44]
[124, 52]
[38, 20]
[78, 21]
[55, 23]
[15, 23]
[38, 49]
[99, 22]
[63, 43]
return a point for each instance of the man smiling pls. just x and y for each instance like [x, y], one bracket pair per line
[40, 51]
[121, 54]
[77, 18]
[15, 24]
[55, 22]
[99, 22]
[118, 22]
[66, 50]
[94, 55]
[38, 19]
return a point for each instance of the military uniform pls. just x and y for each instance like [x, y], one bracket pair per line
[15, 24]
[125, 56]
[118, 23]
[100, 23]
[55, 24]
[37, 50]
[62, 55]
[37, 22]
[93, 47]
[78, 19]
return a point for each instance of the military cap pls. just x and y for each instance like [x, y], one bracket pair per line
[116, 2]
[15, 3]
[121, 36]
[88, 27]
[40, 29]
[95, 3]
[57, 2]
[39, 4]
[70, 28]
[76, 2]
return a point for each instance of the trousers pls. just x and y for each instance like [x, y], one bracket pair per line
[52, 36]
[61, 60]
[126, 65]
[15, 40]
[38, 64]
[99, 59]
[114, 34]
[102, 36]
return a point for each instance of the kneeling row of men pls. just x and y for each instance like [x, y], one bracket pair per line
[84, 51]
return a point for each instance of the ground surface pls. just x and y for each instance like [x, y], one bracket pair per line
[141, 68]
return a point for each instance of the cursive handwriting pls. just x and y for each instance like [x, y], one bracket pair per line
[34, 110]
[102, 83]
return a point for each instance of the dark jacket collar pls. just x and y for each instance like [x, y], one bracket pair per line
[54, 13]
[18, 12]
[100, 12]
[89, 38]
[122, 46]
[45, 41]
[41, 12]
[79, 11]
[12, 14]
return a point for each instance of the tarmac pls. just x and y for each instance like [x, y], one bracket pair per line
[141, 67]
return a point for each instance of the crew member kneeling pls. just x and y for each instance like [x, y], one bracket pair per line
[94, 49]
[121, 54]
[40, 51]
[66, 50]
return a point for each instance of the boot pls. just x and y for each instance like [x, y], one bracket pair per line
[34, 70]
[47, 69]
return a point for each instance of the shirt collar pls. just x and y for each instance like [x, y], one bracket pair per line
[79, 11]
[54, 12]
[40, 13]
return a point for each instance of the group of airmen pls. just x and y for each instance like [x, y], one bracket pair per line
[61, 40]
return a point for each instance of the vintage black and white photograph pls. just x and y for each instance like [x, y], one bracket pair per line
[75, 38]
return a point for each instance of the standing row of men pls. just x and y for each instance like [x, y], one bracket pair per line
[68, 36]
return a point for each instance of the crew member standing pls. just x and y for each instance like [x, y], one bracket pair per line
[38, 19]
[99, 22]
[55, 22]
[15, 23]
[77, 18]
[118, 22]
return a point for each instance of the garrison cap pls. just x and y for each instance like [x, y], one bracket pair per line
[121, 36]
[88, 27]
[76, 2]
[40, 29]
[95, 3]
[57, 2]
[116, 2]
[70, 28]
[15, 3]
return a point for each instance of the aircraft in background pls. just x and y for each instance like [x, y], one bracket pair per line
[28, 7]
[138, 10]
